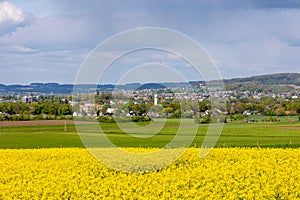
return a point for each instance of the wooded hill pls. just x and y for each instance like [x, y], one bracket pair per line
[270, 79]
[275, 83]
[272, 83]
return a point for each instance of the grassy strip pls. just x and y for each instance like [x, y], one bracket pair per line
[277, 135]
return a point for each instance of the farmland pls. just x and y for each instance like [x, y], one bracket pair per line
[227, 173]
[235, 134]
[47, 160]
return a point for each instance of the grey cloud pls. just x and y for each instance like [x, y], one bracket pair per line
[12, 18]
[251, 36]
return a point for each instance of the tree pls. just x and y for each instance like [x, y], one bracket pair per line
[104, 108]
[298, 112]
[204, 105]
[278, 110]
[65, 109]
[169, 110]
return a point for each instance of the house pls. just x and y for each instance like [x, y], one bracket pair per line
[290, 112]
[29, 99]
[247, 113]
[89, 109]
[110, 111]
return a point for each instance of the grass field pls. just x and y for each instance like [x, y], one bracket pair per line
[37, 163]
[285, 133]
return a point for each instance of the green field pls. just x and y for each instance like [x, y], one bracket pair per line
[285, 133]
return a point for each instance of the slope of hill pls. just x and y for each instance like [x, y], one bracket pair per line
[272, 83]
[275, 83]
[283, 78]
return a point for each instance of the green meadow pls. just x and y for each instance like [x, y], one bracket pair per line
[283, 134]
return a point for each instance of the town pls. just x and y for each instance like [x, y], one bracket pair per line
[183, 101]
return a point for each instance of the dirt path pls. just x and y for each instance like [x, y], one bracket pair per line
[285, 127]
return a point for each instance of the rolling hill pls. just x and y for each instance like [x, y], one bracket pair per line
[283, 82]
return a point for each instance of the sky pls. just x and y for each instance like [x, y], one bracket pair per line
[49, 40]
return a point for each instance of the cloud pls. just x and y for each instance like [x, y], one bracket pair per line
[18, 49]
[12, 17]
[245, 37]
[63, 32]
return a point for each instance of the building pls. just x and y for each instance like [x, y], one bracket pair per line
[155, 99]
[29, 99]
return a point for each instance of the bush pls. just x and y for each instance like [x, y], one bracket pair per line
[111, 119]
[271, 119]
[106, 119]
[203, 120]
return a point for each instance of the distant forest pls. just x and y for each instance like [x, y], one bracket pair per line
[274, 83]
[284, 78]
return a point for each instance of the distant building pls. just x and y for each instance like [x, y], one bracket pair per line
[29, 99]
[247, 112]
[155, 99]
[290, 112]
[111, 111]
[88, 108]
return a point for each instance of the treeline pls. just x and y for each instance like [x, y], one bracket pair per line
[270, 79]
[170, 108]
[259, 87]
[246, 106]
[265, 106]
[273, 83]
[31, 111]
[173, 108]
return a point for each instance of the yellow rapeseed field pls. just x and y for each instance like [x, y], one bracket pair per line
[226, 173]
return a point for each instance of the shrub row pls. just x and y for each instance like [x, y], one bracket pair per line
[113, 119]
[21, 117]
